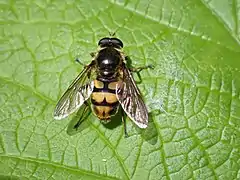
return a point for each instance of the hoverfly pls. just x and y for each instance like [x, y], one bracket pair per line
[108, 83]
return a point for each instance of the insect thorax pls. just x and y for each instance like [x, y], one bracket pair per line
[108, 61]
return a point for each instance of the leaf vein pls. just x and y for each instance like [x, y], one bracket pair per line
[55, 165]
[120, 160]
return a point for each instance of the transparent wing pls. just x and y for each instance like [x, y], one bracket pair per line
[77, 93]
[130, 99]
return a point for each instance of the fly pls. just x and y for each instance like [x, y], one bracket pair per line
[108, 84]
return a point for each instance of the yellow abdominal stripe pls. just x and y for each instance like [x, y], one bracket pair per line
[112, 85]
[99, 97]
[98, 84]
[102, 111]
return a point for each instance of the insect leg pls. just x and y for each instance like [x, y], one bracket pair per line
[124, 123]
[139, 69]
[78, 61]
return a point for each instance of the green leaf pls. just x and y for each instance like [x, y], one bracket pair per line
[193, 94]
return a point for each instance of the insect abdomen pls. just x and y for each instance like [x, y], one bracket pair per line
[104, 99]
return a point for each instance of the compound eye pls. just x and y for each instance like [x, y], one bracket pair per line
[103, 41]
[117, 42]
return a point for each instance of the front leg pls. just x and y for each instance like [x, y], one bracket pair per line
[138, 69]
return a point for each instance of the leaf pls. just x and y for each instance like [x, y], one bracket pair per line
[192, 94]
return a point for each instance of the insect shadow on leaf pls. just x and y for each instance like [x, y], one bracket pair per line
[80, 121]
[150, 134]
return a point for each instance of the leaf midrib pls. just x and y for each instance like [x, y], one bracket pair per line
[41, 161]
